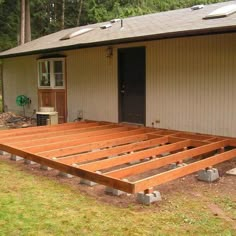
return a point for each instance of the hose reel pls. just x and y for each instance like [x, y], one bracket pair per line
[22, 101]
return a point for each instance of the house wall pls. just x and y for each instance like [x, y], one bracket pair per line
[92, 84]
[20, 78]
[190, 83]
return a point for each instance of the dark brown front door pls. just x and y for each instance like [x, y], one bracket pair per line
[132, 81]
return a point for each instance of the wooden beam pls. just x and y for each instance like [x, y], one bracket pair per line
[197, 143]
[95, 177]
[158, 179]
[113, 151]
[72, 124]
[167, 132]
[115, 161]
[44, 129]
[60, 152]
[49, 134]
[232, 142]
[157, 163]
[58, 136]
[59, 146]
[108, 143]
[198, 137]
[71, 140]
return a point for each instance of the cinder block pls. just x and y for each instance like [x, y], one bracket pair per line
[87, 182]
[43, 167]
[181, 164]
[231, 172]
[112, 156]
[16, 158]
[29, 162]
[113, 191]
[5, 153]
[135, 162]
[65, 175]
[210, 175]
[149, 198]
[174, 165]
[165, 154]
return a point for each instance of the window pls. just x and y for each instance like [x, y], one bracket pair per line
[51, 73]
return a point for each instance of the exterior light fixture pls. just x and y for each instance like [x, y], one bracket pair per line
[109, 52]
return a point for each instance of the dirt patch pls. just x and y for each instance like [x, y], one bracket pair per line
[188, 186]
[217, 211]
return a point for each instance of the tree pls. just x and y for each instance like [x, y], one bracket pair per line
[62, 14]
[27, 21]
[80, 11]
[52, 15]
[22, 22]
[25, 29]
[9, 23]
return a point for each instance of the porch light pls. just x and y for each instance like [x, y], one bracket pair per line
[109, 52]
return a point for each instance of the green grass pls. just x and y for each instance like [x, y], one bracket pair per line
[40, 205]
[228, 205]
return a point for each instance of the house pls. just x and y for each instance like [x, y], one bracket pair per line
[173, 70]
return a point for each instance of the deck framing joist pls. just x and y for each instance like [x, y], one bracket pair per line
[105, 153]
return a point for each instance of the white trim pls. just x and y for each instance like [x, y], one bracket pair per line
[52, 73]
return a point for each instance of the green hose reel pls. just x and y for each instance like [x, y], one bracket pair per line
[21, 101]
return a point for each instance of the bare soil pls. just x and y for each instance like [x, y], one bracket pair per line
[189, 185]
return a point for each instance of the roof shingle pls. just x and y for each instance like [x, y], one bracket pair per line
[174, 23]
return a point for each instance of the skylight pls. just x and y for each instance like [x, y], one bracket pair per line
[76, 33]
[197, 7]
[115, 20]
[222, 12]
[106, 26]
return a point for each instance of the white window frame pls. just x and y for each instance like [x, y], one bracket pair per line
[52, 73]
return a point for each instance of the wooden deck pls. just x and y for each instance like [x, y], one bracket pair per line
[105, 152]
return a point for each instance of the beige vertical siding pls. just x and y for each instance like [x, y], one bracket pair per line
[20, 78]
[92, 84]
[191, 84]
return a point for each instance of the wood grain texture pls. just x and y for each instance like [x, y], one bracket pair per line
[83, 148]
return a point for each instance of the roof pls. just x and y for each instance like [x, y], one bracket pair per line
[175, 23]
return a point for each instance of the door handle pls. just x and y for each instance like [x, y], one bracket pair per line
[122, 91]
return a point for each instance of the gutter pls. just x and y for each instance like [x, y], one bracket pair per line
[180, 34]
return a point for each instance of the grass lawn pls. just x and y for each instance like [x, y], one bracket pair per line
[40, 205]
